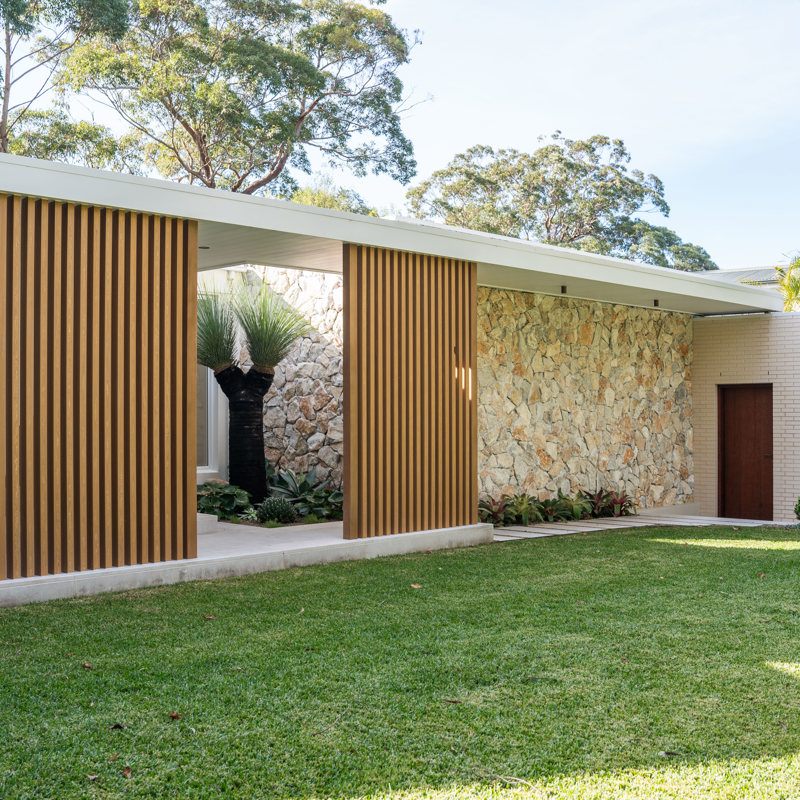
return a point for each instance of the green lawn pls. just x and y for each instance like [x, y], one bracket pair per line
[659, 662]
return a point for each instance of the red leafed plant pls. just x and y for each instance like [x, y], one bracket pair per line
[621, 504]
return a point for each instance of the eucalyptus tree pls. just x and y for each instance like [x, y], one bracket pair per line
[571, 193]
[324, 194]
[270, 327]
[232, 94]
[36, 37]
[52, 134]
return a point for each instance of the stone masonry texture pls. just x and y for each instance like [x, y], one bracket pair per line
[303, 420]
[572, 394]
[576, 394]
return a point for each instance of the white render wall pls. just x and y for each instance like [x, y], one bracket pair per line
[758, 348]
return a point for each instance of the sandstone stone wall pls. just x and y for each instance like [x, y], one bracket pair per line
[571, 393]
[303, 422]
[574, 394]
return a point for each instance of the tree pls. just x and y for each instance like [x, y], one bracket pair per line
[662, 247]
[53, 135]
[325, 195]
[230, 93]
[789, 284]
[270, 327]
[570, 193]
[36, 37]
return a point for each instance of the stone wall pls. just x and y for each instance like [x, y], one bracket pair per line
[575, 394]
[571, 393]
[303, 422]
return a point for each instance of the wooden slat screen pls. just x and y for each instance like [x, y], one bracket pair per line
[97, 387]
[410, 405]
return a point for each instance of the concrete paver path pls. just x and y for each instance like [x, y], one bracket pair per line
[543, 529]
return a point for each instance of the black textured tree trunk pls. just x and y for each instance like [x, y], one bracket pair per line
[245, 392]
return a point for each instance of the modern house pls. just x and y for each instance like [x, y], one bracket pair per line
[472, 363]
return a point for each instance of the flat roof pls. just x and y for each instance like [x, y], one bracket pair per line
[757, 275]
[240, 229]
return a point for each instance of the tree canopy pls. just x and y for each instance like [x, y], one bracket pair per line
[571, 193]
[233, 93]
[325, 194]
[36, 36]
[52, 134]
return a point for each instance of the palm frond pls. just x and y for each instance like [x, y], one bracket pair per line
[216, 330]
[270, 325]
[789, 284]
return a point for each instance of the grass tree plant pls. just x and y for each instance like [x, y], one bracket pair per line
[270, 327]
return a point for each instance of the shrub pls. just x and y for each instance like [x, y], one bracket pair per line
[498, 512]
[222, 499]
[525, 508]
[250, 515]
[576, 507]
[322, 503]
[276, 509]
[622, 504]
[306, 495]
[797, 508]
[556, 510]
[599, 503]
[294, 485]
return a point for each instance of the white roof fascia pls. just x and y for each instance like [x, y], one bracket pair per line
[503, 262]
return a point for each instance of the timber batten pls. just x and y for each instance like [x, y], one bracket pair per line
[97, 424]
[410, 410]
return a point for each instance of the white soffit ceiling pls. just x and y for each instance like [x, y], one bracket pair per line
[238, 229]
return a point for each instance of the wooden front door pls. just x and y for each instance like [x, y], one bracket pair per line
[745, 451]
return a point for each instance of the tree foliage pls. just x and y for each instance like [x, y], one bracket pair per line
[571, 193]
[324, 194]
[789, 284]
[231, 93]
[54, 135]
[36, 36]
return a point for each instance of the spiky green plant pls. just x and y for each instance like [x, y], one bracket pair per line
[216, 330]
[270, 326]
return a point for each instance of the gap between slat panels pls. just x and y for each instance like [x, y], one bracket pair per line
[97, 387]
[410, 410]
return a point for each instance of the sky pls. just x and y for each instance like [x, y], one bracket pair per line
[704, 95]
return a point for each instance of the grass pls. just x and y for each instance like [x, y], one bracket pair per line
[655, 663]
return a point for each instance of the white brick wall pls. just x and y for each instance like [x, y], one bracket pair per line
[748, 349]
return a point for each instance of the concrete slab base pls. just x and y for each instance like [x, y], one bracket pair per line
[241, 550]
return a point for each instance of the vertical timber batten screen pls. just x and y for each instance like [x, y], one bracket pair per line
[410, 403]
[97, 397]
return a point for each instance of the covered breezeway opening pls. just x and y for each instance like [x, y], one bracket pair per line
[408, 410]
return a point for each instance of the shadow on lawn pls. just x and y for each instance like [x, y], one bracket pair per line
[533, 661]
